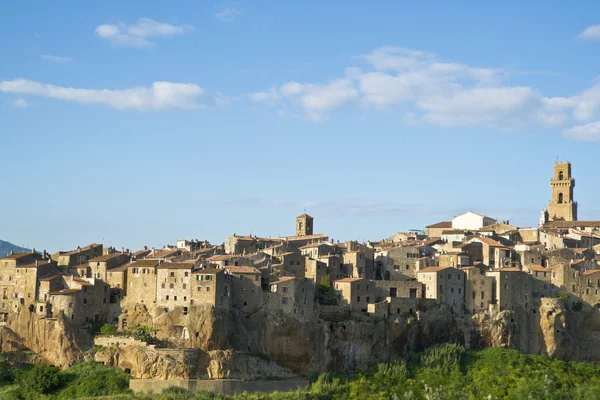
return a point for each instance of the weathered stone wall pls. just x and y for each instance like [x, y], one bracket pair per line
[229, 387]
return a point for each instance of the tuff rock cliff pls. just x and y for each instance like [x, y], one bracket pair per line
[211, 343]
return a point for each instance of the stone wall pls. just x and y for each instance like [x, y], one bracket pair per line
[229, 387]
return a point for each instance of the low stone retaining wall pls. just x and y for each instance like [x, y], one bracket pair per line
[228, 387]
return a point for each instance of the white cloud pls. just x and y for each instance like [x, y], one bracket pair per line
[20, 103]
[158, 96]
[228, 14]
[56, 59]
[588, 133]
[136, 35]
[591, 32]
[438, 92]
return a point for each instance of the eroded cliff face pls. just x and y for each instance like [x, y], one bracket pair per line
[54, 340]
[212, 343]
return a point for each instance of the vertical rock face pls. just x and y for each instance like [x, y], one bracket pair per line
[212, 343]
[54, 340]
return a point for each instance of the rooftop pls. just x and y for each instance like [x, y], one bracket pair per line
[443, 224]
[176, 265]
[242, 270]
[108, 257]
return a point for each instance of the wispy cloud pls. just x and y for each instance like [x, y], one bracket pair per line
[586, 133]
[228, 13]
[433, 91]
[136, 35]
[590, 33]
[56, 59]
[20, 103]
[158, 96]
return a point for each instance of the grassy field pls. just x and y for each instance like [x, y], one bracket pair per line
[441, 372]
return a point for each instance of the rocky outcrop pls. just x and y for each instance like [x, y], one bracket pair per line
[53, 339]
[206, 342]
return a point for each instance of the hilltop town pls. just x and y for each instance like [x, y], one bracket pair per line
[472, 265]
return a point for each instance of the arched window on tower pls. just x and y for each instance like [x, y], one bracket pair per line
[560, 176]
[300, 225]
[560, 198]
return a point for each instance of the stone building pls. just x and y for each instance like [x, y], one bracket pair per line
[444, 284]
[478, 289]
[210, 287]
[291, 263]
[173, 284]
[315, 270]
[512, 289]
[8, 276]
[495, 254]
[141, 282]
[100, 265]
[397, 263]
[404, 289]
[355, 292]
[246, 288]
[81, 300]
[26, 279]
[79, 256]
[435, 230]
[562, 207]
[293, 296]
[304, 225]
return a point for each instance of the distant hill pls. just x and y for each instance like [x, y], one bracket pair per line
[6, 248]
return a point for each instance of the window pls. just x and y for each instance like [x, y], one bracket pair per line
[560, 198]
[186, 274]
[358, 299]
[199, 277]
[208, 277]
[198, 288]
[162, 285]
[184, 286]
[104, 300]
[171, 286]
[459, 290]
[84, 301]
[449, 276]
[167, 297]
[175, 298]
[208, 288]
[560, 176]
[482, 295]
[407, 267]
[473, 295]
[285, 289]
[172, 274]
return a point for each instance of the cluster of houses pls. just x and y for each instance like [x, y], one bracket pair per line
[473, 263]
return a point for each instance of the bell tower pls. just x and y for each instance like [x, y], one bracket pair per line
[304, 225]
[562, 207]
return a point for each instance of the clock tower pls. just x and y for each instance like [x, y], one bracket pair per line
[562, 207]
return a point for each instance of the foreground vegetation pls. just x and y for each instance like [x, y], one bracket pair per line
[441, 372]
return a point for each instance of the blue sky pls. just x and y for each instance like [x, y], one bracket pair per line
[137, 123]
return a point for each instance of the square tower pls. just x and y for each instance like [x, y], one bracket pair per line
[304, 225]
[562, 207]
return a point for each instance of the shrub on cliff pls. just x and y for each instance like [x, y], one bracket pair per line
[108, 329]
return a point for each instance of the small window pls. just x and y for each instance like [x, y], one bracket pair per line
[172, 274]
[171, 286]
[186, 274]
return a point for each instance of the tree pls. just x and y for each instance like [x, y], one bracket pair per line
[42, 379]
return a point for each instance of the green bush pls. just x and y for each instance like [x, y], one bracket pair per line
[108, 329]
[41, 379]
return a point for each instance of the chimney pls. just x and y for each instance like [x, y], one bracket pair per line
[36, 263]
[33, 251]
[122, 250]
[145, 247]
[44, 254]
[11, 253]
